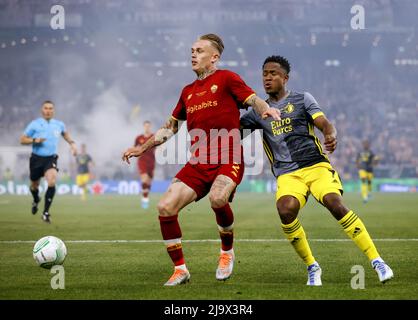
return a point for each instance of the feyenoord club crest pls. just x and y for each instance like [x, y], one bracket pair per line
[289, 108]
[214, 88]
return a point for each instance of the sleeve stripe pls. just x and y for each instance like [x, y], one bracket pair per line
[317, 114]
[245, 101]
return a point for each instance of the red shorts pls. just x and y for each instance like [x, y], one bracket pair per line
[146, 168]
[200, 177]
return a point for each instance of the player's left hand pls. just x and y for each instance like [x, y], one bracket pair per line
[330, 143]
[131, 152]
[271, 112]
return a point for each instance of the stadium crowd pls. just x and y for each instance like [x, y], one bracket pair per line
[363, 90]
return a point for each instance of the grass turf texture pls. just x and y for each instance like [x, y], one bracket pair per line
[263, 270]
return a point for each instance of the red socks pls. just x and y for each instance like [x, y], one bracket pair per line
[170, 229]
[225, 220]
[171, 232]
[145, 189]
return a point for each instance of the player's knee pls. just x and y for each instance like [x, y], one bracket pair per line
[287, 208]
[34, 185]
[217, 200]
[51, 182]
[287, 205]
[51, 179]
[165, 208]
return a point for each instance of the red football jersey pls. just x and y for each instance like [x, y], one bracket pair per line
[149, 156]
[213, 103]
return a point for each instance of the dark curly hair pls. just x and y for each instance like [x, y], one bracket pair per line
[284, 63]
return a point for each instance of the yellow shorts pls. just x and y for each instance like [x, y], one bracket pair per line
[82, 179]
[319, 179]
[365, 175]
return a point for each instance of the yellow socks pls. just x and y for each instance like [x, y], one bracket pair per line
[364, 191]
[356, 230]
[84, 193]
[297, 237]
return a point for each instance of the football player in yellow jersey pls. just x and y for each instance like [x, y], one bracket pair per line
[84, 165]
[366, 160]
[303, 168]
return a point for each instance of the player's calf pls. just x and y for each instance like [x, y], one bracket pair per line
[35, 194]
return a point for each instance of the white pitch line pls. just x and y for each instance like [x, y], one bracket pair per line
[208, 240]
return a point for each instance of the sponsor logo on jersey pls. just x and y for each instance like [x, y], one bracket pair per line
[203, 105]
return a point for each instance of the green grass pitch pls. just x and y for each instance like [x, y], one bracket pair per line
[263, 270]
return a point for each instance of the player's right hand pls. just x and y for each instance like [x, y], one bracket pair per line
[39, 140]
[271, 112]
[131, 152]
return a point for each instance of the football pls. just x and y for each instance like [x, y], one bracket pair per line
[49, 251]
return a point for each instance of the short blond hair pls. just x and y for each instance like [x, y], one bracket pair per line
[215, 40]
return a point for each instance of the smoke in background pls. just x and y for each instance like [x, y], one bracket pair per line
[103, 123]
[119, 63]
[107, 130]
[103, 96]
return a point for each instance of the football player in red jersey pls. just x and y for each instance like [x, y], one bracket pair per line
[146, 164]
[210, 103]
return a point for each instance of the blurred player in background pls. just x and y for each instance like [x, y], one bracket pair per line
[8, 175]
[302, 168]
[84, 170]
[146, 164]
[366, 160]
[43, 134]
[212, 101]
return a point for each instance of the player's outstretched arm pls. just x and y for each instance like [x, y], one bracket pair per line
[262, 108]
[329, 132]
[162, 135]
[71, 142]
